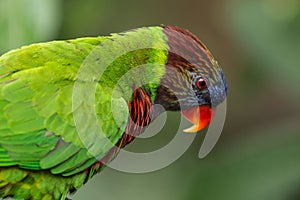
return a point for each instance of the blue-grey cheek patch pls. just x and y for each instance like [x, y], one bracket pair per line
[224, 81]
[218, 92]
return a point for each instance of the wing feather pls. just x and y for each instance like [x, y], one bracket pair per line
[37, 129]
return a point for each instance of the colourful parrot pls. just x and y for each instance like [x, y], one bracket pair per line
[56, 96]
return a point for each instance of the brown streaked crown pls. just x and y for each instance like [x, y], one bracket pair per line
[187, 49]
[187, 56]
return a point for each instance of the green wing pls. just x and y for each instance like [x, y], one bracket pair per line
[45, 125]
[37, 128]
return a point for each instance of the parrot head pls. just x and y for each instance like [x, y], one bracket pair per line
[194, 83]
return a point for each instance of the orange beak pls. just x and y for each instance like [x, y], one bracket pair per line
[200, 116]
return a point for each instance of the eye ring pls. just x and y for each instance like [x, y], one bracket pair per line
[201, 83]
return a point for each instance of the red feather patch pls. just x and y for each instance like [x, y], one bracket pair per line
[139, 112]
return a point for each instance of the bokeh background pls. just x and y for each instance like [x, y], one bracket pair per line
[258, 44]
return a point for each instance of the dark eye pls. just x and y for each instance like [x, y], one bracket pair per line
[201, 83]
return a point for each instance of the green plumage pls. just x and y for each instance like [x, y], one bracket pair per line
[42, 155]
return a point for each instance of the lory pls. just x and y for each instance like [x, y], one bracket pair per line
[67, 107]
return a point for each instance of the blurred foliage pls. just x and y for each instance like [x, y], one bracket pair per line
[269, 31]
[263, 165]
[256, 42]
[27, 21]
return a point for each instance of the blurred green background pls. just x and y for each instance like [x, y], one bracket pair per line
[257, 42]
